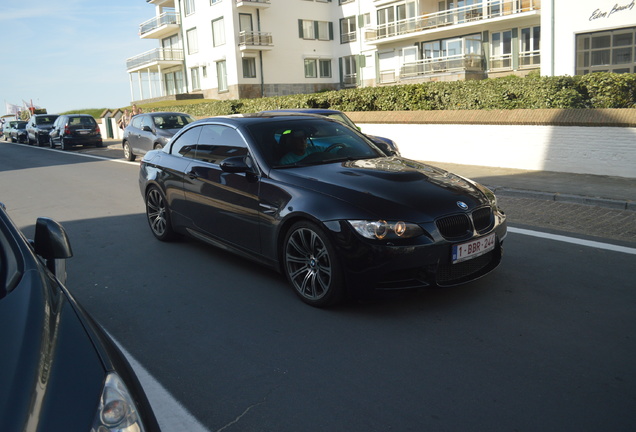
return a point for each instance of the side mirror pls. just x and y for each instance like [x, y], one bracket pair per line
[236, 164]
[147, 129]
[52, 244]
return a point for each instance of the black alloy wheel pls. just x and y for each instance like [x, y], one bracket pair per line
[128, 154]
[63, 144]
[51, 143]
[311, 265]
[158, 215]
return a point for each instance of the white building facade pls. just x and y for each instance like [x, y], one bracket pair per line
[230, 49]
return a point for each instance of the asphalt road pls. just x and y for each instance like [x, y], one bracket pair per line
[545, 343]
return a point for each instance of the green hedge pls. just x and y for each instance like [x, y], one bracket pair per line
[598, 90]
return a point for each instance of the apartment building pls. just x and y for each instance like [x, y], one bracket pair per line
[230, 49]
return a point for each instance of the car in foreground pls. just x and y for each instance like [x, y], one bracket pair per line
[18, 132]
[343, 219]
[59, 370]
[75, 129]
[6, 129]
[38, 128]
[387, 145]
[151, 131]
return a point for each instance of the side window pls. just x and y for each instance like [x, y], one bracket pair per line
[136, 122]
[147, 121]
[218, 142]
[186, 143]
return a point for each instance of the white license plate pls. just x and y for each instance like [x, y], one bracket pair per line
[473, 248]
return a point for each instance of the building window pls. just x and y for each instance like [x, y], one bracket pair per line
[193, 42]
[606, 51]
[194, 78]
[529, 47]
[347, 29]
[221, 74]
[349, 70]
[249, 67]
[316, 67]
[310, 68]
[325, 68]
[214, 1]
[218, 32]
[501, 50]
[321, 30]
[188, 7]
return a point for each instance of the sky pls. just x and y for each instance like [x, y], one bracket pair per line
[71, 54]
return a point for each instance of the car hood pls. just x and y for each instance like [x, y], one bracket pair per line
[51, 374]
[391, 187]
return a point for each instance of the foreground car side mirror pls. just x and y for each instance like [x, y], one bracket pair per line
[52, 244]
[236, 164]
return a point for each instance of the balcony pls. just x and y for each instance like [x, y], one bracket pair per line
[166, 24]
[255, 41]
[456, 63]
[155, 59]
[253, 3]
[467, 15]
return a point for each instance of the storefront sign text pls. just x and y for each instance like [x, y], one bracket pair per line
[598, 13]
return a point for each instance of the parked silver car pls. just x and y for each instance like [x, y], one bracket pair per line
[151, 131]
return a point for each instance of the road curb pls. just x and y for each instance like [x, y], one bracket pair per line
[566, 198]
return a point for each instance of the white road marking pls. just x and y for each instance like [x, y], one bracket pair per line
[171, 415]
[573, 240]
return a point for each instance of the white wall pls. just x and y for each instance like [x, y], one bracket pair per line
[573, 149]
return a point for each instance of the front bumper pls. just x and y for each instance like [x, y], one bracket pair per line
[422, 262]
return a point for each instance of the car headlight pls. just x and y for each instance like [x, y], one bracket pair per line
[383, 230]
[117, 411]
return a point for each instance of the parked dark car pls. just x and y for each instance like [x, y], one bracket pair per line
[75, 129]
[6, 129]
[59, 370]
[38, 128]
[150, 131]
[382, 142]
[18, 132]
[320, 202]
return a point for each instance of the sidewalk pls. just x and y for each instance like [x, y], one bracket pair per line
[604, 191]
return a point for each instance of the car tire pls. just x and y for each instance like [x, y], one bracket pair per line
[128, 154]
[158, 214]
[311, 265]
[63, 144]
[51, 143]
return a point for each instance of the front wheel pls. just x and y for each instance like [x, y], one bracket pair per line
[128, 154]
[311, 265]
[158, 215]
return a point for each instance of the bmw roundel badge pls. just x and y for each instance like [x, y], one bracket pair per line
[462, 205]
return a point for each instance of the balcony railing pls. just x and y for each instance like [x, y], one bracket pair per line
[465, 14]
[348, 37]
[255, 38]
[528, 59]
[462, 62]
[154, 56]
[253, 3]
[164, 19]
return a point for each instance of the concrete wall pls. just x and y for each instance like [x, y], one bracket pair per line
[600, 142]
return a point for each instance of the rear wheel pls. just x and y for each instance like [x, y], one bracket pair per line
[311, 265]
[51, 143]
[158, 215]
[128, 154]
[63, 144]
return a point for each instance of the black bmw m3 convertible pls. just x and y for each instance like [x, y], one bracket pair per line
[320, 202]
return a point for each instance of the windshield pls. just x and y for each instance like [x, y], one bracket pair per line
[172, 121]
[45, 120]
[309, 141]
